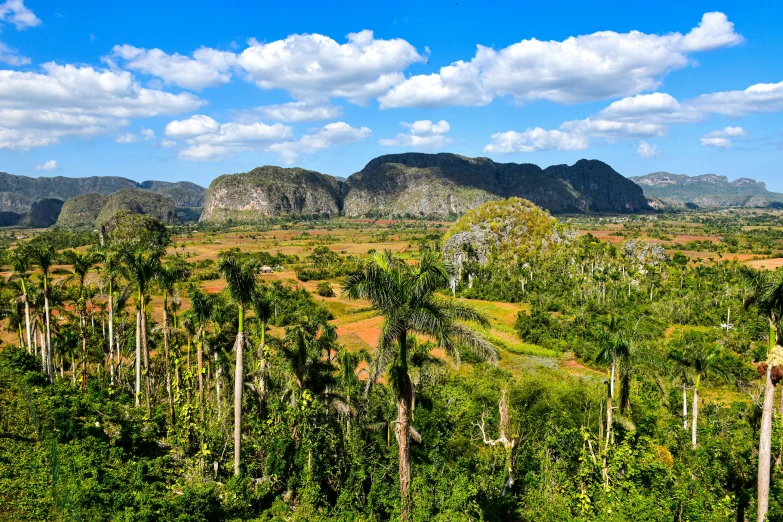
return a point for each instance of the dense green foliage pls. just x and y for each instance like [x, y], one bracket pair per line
[526, 439]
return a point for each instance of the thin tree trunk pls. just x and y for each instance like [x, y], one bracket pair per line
[684, 407]
[262, 369]
[765, 447]
[27, 322]
[403, 431]
[145, 348]
[695, 413]
[166, 355]
[765, 437]
[111, 334]
[138, 356]
[200, 369]
[239, 381]
[49, 351]
[217, 385]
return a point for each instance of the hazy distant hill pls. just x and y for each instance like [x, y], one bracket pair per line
[421, 184]
[18, 193]
[95, 209]
[708, 190]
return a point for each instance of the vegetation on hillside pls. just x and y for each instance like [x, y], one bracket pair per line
[576, 379]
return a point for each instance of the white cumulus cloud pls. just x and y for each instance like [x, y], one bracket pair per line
[299, 111]
[207, 67]
[596, 66]
[722, 138]
[423, 134]
[314, 66]
[210, 140]
[327, 137]
[15, 12]
[148, 134]
[47, 165]
[128, 137]
[647, 151]
[534, 140]
[193, 126]
[40, 108]
[167, 144]
[11, 56]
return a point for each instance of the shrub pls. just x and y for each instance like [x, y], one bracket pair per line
[324, 289]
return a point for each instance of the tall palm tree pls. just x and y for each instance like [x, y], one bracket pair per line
[20, 264]
[111, 272]
[81, 264]
[44, 257]
[140, 268]
[241, 282]
[406, 297]
[615, 345]
[262, 310]
[167, 275]
[201, 305]
[701, 361]
[766, 292]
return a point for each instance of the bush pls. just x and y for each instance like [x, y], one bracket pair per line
[324, 289]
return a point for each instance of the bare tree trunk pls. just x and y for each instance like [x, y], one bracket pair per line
[239, 380]
[27, 323]
[166, 355]
[49, 350]
[200, 369]
[146, 350]
[138, 356]
[404, 436]
[217, 384]
[695, 414]
[111, 335]
[684, 407]
[765, 438]
[765, 446]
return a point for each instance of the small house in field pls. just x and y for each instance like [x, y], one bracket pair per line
[266, 269]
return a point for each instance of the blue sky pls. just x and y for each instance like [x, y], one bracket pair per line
[189, 91]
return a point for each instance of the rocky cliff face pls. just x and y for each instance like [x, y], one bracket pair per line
[138, 202]
[184, 193]
[272, 191]
[441, 184]
[707, 190]
[421, 185]
[82, 209]
[18, 193]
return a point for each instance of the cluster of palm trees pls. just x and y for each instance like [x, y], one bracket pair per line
[96, 316]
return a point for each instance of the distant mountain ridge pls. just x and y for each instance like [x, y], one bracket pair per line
[706, 190]
[19, 193]
[418, 184]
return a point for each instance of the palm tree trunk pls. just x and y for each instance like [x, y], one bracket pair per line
[138, 356]
[83, 324]
[239, 380]
[403, 431]
[146, 350]
[49, 351]
[684, 407]
[695, 412]
[262, 368]
[166, 355]
[111, 334]
[218, 373]
[200, 369]
[765, 437]
[27, 322]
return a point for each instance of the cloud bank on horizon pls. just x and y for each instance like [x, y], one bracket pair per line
[335, 80]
